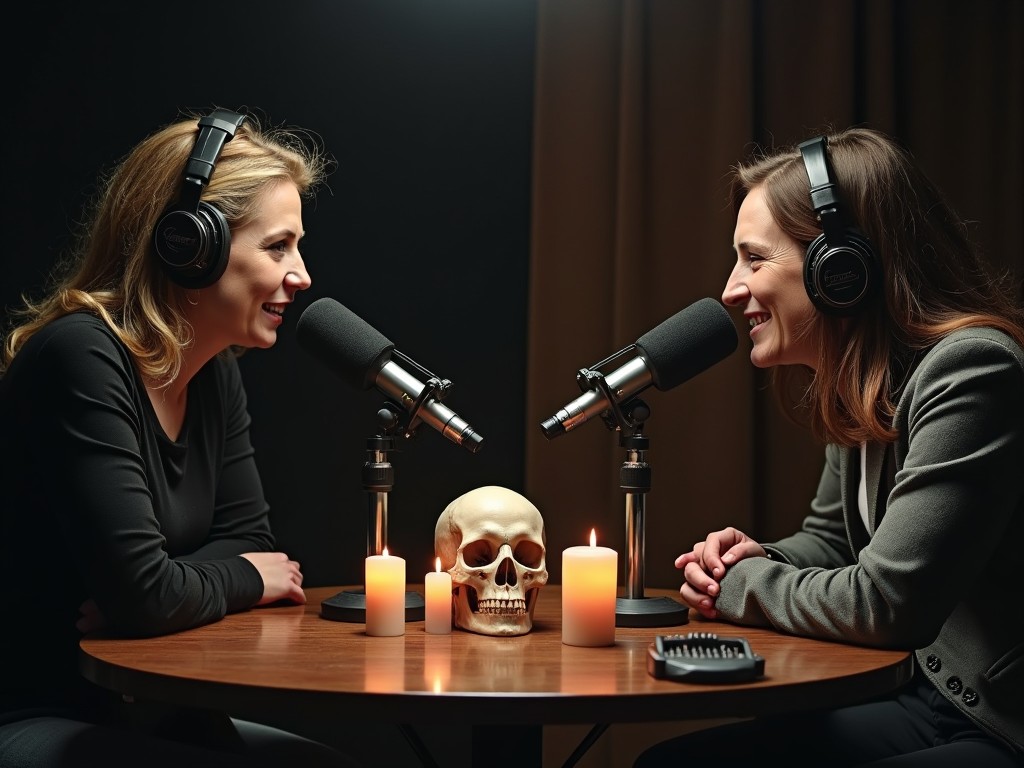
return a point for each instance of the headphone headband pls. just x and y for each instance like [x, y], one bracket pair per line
[824, 190]
[215, 130]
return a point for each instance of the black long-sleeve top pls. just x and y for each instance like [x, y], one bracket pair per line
[98, 502]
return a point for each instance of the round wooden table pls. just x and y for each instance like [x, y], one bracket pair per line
[260, 661]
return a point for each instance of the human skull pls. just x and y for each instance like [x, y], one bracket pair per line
[492, 542]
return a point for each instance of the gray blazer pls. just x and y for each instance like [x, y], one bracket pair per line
[938, 570]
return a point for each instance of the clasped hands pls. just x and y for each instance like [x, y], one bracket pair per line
[704, 566]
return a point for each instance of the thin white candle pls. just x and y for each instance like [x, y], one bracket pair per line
[438, 589]
[588, 594]
[385, 595]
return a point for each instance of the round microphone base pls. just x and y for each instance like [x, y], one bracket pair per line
[650, 612]
[350, 606]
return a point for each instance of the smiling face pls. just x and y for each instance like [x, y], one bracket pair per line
[245, 307]
[767, 283]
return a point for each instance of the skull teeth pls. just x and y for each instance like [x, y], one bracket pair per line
[515, 607]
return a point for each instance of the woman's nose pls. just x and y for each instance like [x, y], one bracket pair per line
[298, 278]
[735, 291]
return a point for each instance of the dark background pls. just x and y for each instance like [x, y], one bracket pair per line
[424, 228]
[423, 231]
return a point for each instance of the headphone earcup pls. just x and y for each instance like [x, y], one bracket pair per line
[839, 277]
[193, 248]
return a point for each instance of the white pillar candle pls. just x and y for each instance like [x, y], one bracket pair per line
[385, 595]
[589, 583]
[437, 587]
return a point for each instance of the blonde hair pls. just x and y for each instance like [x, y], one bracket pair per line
[112, 270]
[933, 281]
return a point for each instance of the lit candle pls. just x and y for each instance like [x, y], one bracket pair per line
[385, 595]
[438, 589]
[588, 594]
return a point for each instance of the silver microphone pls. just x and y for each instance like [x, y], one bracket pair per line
[689, 342]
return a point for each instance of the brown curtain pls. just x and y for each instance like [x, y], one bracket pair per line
[641, 108]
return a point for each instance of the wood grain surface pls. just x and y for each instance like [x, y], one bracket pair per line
[277, 657]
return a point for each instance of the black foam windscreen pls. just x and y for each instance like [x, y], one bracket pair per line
[343, 341]
[689, 342]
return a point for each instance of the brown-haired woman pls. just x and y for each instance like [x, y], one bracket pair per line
[859, 283]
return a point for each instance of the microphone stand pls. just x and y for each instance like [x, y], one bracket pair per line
[378, 480]
[634, 610]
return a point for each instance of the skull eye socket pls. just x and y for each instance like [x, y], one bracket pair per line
[477, 554]
[529, 553]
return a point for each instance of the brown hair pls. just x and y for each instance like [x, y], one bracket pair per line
[933, 280]
[112, 270]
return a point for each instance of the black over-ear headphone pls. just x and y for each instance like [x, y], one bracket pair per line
[840, 269]
[192, 238]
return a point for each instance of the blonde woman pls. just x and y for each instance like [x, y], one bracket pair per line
[132, 501]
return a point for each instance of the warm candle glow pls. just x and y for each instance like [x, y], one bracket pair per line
[437, 663]
[385, 595]
[589, 582]
[437, 587]
[380, 673]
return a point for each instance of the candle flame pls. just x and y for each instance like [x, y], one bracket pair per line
[593, 537]
[385, 552]
[437, 564]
